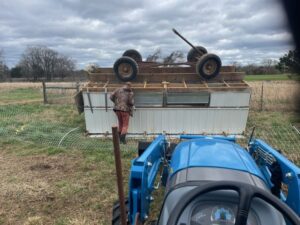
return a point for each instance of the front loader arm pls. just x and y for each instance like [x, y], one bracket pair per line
[142, 177]
[289, 174]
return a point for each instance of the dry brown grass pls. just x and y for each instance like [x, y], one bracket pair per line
[60, 189]
[277, 95]
[16, 85]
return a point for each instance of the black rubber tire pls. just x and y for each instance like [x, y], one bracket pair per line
[116, 214]
[134, 54]
[205, 63]
[142, 146]
[130, 68]
[193, 55]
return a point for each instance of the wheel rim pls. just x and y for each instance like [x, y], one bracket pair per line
[125, 69]
[210, 67]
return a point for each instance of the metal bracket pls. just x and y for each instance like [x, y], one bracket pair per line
[89, 99]
[105, 96]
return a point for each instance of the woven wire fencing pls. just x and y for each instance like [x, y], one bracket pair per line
[265, 95]
[60, 126]
[51, 126]
[60, 93]
[274, 95]
[284, 138]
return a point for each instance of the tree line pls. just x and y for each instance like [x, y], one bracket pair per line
[38, 63]
[288, 63]
[42, 63]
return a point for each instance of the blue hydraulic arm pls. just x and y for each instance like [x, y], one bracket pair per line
[265, 156]
[142, 176]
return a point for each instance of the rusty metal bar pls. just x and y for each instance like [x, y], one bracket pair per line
[189, 43]
[118, 164]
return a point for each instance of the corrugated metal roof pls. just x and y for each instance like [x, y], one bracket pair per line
[172, 120]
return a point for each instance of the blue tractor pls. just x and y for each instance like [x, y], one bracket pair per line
[211, 180]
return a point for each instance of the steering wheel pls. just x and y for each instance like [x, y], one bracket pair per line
[246, 193]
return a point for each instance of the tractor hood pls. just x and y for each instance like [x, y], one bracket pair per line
[212, 153]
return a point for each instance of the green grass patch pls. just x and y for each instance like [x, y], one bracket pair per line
[267, 77]
[20, 94]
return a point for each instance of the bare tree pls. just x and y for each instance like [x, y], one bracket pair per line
[155, 56]
[44, 63]
[176, 56]
[1, 65]
[92, 67]
[269, 66]
[4, 70]
[64, 67]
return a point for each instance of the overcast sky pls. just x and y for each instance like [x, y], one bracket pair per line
[98, 31]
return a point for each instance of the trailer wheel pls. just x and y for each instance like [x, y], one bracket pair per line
[193, 55]
[125, 68]
[132, 53]
[116, 213]
[208, 66]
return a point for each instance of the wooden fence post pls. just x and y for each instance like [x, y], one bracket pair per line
[44, 93]
[77, 86]
[262, 96]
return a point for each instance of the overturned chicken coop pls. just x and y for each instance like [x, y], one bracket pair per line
[174, 102]
[195, 97]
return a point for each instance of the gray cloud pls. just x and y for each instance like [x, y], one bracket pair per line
[99, 31]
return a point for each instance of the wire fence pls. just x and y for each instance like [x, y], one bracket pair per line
[274, 95]
[285, 139]
[60, 126]
[265, 95]
[60, 93]
[43, 125]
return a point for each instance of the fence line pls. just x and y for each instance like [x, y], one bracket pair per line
[62, 90]
[274, 95]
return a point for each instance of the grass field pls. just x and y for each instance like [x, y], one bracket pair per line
[270, 77]
[74, 184]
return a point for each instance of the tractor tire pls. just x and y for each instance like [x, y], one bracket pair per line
[116, 213]
[126, 68]
[142, 146]
[208, 66]
[193, 55]
[134, 54]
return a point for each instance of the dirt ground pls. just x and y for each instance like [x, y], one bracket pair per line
[34, 189]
